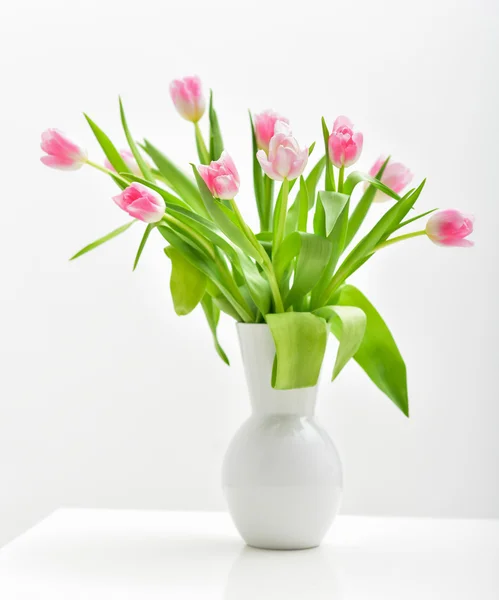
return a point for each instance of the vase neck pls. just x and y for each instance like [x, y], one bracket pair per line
[258, 352]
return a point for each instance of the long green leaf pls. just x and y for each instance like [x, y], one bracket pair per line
[353, 180]
[331, 222]
[223, 220]
[109, 149]
[258, 179]
[216, 141]
[330, 185]
[212, 316]
[300, 340]
[348, 323]
[103, 239]
[416, 218]
[198, 260]
[312, 180]
[257, 285]
[363, 206]
[181, 184]
[378, 354]
[143, 166]
[366, 246]
[187, 283]
[313, 253]
[142, 244]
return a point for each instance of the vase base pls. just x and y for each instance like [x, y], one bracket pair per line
[282, 548]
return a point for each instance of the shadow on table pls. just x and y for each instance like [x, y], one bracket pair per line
[288, 575]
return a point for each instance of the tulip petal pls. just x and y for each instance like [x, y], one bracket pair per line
[342, 121]
[283, 161]
[61, 163]
[267, 166]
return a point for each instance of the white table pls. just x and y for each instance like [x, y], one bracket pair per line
[105, 554]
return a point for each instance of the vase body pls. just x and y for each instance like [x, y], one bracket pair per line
[282, 475]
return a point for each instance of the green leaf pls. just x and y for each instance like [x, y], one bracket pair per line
[224, 221]
[330, 185]
[212, 316]
[312, 180]
[357, 177]
[348, 323]
[300, 340]
[331, 221]
[216, 142]
[142, 244]
[378, 354]
[313, 254]
[408, 221]
[258, 179]
[363, 206]
[198, 260]
[187, 283]
[366, 246]
[179, 181]
[143, 166]
[109, 149]
[333, 205]
[103, 239]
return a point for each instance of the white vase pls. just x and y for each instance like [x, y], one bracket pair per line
[282, 475]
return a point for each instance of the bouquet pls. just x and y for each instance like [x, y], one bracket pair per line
[293, 273]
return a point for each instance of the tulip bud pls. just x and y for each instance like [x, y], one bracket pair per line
[187, 95]
[221, 177]
[62, 153]
[396, 176]
[450, 228]
[141, 203]
[285, 159]
[265, 127]
[345, 145]
[130, 162]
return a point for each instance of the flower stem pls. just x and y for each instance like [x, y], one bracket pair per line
[106, 171]
[282, 209]
[399, 238]
[204, 155]
[268, 194]
[341, 178]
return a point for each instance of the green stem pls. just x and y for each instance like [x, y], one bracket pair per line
[268, 208]
[106, 171]
[341, 178]
[204, 155]
[281, 217]
[266, 263]
[399, 238]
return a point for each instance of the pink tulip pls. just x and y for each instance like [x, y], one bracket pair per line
[265, 127]
[221, 177]
[396, 176]
[62, 153]
[285, 159]
[345, 145]
[188, 98]
[141, 203]
[450, 228]
[130, 162]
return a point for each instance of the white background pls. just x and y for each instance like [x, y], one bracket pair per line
[106, 397]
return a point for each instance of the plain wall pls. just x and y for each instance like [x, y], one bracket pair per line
[106, 397]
